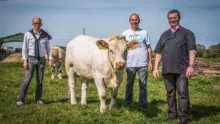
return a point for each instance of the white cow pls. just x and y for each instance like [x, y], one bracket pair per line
[93, 58]
[58, 55]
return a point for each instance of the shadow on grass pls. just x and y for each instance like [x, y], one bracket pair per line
[63, 100]
[197, 111]
[90, 100]
[151, 111]
[200, 111]
[64, 76]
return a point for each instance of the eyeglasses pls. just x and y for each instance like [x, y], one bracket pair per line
[37, 23]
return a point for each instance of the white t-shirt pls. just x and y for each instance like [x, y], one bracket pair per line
[139, 56]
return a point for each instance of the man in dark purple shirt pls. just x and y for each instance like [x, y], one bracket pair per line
[177, 49]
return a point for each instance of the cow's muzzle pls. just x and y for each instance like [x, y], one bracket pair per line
[120, 65]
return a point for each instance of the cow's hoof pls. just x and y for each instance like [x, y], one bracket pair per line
[83, 103]
[52, 77]
[103, 109]
[112, 106]
[73, 103]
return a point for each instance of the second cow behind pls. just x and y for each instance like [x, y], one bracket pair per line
[101, 60]
[58, 55]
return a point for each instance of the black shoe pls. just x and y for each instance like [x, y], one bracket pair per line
[127, 103]
[143, 110]
[39, 102]
[183, 122]
[19, 103]
[172, 118]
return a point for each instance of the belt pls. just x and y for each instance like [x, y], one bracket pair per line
[35, 57]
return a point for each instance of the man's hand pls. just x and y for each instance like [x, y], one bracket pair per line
[156, 65]
[50, 64]
[25, 64]
[156, 73]
[189, 71]
[150, 67]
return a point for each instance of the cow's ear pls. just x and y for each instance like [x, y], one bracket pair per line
[102, 44]
[60, 53]
[133, 44]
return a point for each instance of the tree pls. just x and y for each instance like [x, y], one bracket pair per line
[214, 51]
[201, 50]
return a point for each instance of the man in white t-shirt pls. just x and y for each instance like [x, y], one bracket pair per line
[137, 61]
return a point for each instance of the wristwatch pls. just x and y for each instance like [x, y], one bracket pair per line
[192, 65]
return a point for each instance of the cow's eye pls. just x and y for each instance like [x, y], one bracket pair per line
[111, 51]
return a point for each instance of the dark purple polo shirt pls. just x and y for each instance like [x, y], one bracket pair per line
[174, 49]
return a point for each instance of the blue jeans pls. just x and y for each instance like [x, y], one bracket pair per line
[142, 75]
[32, 64]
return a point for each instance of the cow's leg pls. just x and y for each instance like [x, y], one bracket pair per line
[113, 97]
[114, 91]
[59, 70]
[102, 93]
[72, 83]
[84, 88]
[52, 71]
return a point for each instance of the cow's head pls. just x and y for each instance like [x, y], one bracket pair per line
[117, 47]
[56, 52]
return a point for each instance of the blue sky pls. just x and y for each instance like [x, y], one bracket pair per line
[64, 19]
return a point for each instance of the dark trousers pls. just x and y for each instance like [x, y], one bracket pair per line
[142, 75]
[177, 82]
[32, 64]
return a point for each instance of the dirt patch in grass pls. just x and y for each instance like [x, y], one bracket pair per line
[10, 57]
[207, 68]
[216, 87]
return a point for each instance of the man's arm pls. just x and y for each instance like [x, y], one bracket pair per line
[24, 52]
[190, 69]
[149, 58]
[49, 53]
[147, 42]
[157, 62]
[191, 46]
[192, 56]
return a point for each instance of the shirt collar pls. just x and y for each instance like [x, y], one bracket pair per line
[134, 31]
[37, 33]
[178, 27]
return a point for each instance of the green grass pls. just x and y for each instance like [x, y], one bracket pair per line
[205, 102]
[217, 60]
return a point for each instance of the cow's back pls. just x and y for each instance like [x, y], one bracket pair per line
[81, 52]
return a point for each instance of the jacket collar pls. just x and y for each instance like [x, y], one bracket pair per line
[43, 34]
[178, 27]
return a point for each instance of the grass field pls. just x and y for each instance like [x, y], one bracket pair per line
[205, 102]
[217, 60]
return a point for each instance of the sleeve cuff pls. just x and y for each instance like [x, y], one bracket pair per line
[192, 50]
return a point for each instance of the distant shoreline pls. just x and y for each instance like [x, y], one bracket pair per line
[19, 44]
